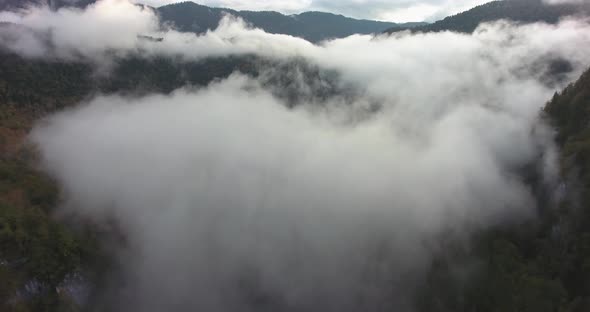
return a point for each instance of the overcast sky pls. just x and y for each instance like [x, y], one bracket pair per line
[387, 10]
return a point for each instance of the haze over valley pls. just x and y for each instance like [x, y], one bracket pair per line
[188, 157]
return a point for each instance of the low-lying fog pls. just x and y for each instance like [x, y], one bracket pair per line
[232, 200]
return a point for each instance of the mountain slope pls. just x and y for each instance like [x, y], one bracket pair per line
[523, 11]
[539, 265]
[191, 17]
[55, 4]
[570, 109]
[312, 26]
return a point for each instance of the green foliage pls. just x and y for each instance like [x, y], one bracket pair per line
[55, 4]
[38, 190]
[33, 245]
[163, 75]
[42, 85]
[505, 278]
[570, 112]
[537, 266]
[46, 250]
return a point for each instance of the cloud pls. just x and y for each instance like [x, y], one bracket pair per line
[105, 27]
[230, 200]
[225, 188]
[88, 34]
[112, 28]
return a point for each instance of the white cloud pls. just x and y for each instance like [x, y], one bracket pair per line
[229, 199]
[226, 184]
[415, 13]
[109, 25]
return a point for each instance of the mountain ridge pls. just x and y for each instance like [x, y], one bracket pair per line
[189, 16]
[6, 5]
[313, 26]
[520, 11]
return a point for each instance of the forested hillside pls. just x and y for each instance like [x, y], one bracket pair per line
[521, 11]
[540, 265]
[37, 253]
[313, 26]
[46, 265]
[54, 4]
[192, 17]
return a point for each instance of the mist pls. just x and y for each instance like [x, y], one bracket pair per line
[232, 199]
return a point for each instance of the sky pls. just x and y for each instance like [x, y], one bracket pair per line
[386, 10]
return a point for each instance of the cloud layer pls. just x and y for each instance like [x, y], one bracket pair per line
[225, 188]
[230, 200]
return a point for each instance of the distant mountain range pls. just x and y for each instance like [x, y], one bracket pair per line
[522, 11]
[55, 4]
[317, 26]
[191, 17]
[312, 26]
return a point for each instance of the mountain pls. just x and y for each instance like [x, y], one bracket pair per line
[55, 4]
[312, 26]
[523, 11]
[570, 111]
[191, 17]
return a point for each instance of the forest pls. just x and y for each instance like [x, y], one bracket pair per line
[539, 265]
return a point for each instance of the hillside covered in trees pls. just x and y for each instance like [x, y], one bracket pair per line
[54, 4]
[520, 11]
[52, 263]
[39, 254]
[313, 26]
[539, 265]
[188, 16]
